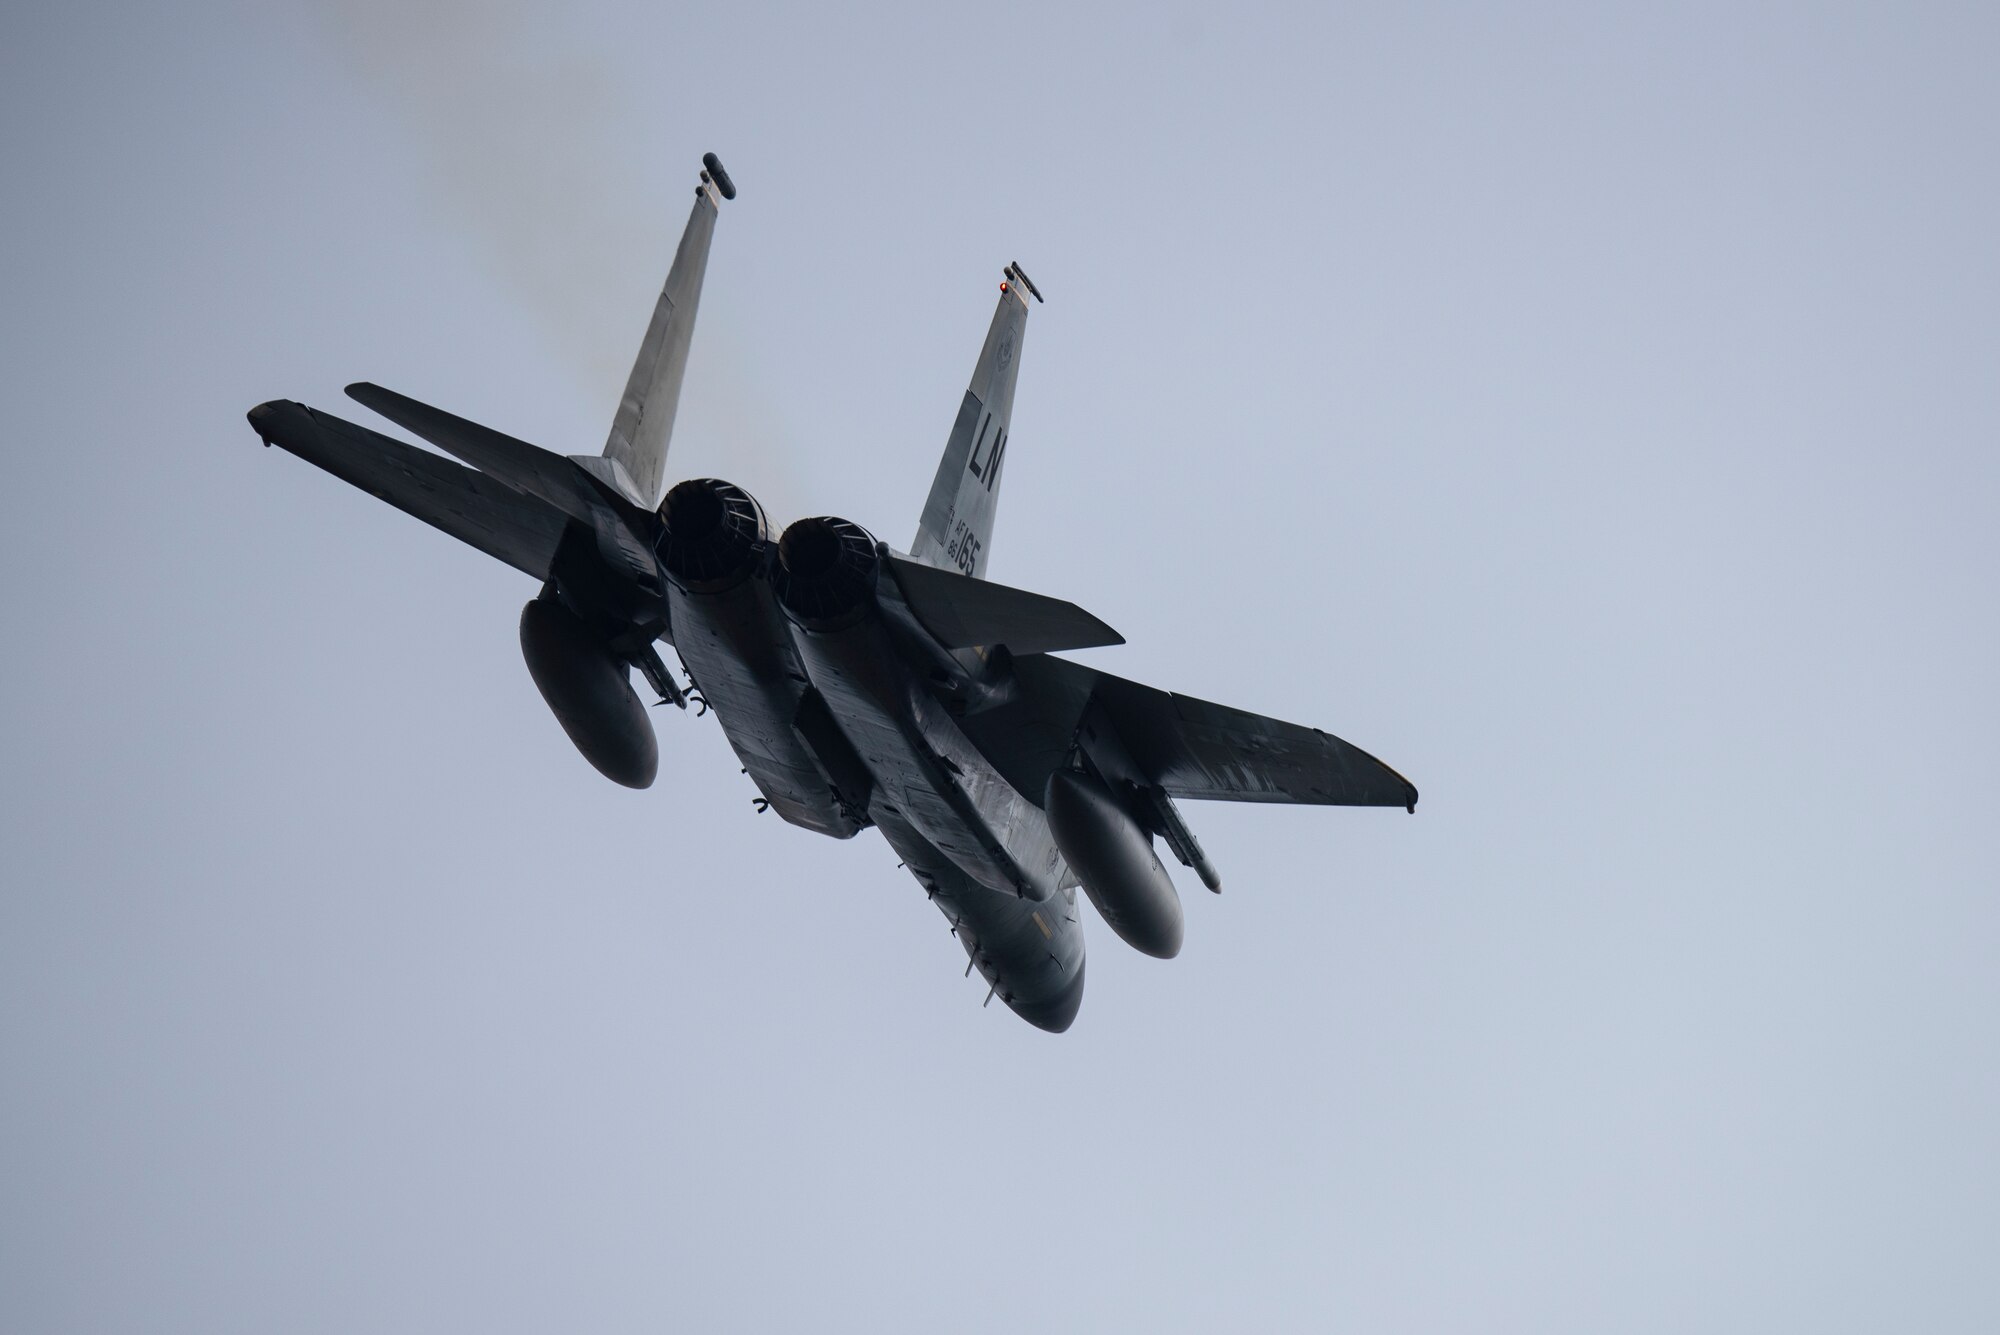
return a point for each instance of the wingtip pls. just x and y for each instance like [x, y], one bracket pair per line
[261, 418]
[372, 396]
[1108, 633]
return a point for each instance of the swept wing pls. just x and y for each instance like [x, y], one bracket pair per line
[518, 529]
[1205, 751]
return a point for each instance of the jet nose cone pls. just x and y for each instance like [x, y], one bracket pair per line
[1055, 1013]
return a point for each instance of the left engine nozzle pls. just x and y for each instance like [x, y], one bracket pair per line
[826, 573]
[590, 690]
[715, 535]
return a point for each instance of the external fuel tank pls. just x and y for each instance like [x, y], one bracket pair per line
[1113, 856]
[590, 690]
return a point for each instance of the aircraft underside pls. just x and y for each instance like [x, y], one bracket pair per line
[857, 685]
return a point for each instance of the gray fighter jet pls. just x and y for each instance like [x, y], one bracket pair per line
[860, 686]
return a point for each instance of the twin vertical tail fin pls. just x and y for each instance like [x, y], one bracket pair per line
[635, 457]
[957, 527]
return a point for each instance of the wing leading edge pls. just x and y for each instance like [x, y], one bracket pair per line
[474, 508]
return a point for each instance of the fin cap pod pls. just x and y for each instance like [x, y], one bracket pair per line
[713, 166]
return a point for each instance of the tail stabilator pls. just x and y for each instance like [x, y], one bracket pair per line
[956, 531]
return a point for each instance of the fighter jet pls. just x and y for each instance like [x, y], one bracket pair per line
[859, 685]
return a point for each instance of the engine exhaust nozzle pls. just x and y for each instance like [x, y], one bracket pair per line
[715, 535]
[826, 572]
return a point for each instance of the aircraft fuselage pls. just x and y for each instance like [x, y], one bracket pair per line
[857, 685]
[833, 706]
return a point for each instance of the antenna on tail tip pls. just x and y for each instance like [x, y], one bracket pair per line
[1013, 270]
[712, 170]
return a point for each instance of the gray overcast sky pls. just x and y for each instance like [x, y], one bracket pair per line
[1591, 410]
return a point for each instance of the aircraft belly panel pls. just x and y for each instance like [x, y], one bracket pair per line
[735, 647]
[925, 770]
[903, 781]
[1009, 818]
[1031, 953]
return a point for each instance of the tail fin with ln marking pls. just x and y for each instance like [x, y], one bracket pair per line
[957, 526]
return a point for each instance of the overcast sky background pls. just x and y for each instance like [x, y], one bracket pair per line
[1592, 413]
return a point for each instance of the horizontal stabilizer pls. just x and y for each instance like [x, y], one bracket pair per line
[472, 507]
[966, 613]
[528, 469]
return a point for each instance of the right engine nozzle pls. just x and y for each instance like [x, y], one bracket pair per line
[826, 572]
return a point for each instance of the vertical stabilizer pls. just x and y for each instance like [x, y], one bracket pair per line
[957, 527]
[637, 448]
